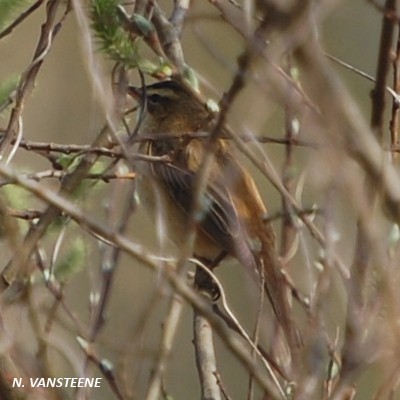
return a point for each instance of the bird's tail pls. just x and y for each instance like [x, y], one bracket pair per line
[268, 267]
[275, 287]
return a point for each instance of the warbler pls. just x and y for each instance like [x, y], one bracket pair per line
[174, 123]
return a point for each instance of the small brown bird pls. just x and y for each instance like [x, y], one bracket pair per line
[233, 214]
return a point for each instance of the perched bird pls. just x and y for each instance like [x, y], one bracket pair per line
[233, 213]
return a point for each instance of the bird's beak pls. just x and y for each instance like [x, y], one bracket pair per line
[136, 93]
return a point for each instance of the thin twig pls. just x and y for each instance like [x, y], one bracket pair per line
[394, 122]
[256, 332]
[21, 18]
[393, 93]
[292, 128]
[137, 252]
[105, 177]
[354, 329]
[110, 259]
[169, 37]
[205, 356]
[18, 268]
[170, 329]
[234, 324]
[179, 13]
[49, 29]
[103, 366]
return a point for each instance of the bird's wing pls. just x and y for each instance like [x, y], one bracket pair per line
[219, 218]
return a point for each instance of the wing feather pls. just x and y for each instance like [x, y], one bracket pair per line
[219, 218]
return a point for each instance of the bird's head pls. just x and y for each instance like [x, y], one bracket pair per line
[169, 107]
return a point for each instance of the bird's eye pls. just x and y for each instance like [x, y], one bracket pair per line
[154, 98]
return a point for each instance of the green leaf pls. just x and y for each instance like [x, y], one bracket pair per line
[72, 262]
[98, 167]
[90, 185]
[112, 38]
[7, 87]
[144, 25]
[18, 198]
[58, 223]
[10, 8]
[191, 77]
[68, 161]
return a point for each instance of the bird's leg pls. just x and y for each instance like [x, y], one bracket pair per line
[203, 281]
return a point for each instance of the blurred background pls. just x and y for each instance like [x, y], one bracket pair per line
[66, 108]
